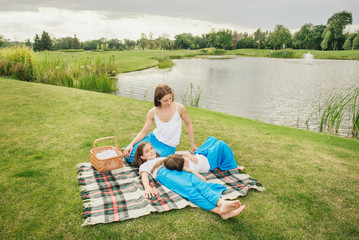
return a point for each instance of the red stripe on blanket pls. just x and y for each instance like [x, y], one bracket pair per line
[230, 180]
[163, 203]
[120, 190]
[116, 216]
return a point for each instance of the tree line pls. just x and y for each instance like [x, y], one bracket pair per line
[317, 37]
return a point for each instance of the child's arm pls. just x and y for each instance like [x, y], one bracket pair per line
[187, 169]
[149, 191]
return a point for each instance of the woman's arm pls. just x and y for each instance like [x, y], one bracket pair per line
[149, 191]
[187, 121]
[142, 134]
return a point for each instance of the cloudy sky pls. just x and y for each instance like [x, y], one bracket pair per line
[89, 19]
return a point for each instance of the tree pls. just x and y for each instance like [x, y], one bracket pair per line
[280, 37]
[200, 41]
[355, 44]
[225, 38]
[184, 40]
[164, 42]
[3, 41]
[327, 34]
[143, 41]
[76, 43]
[91, 44]
[348, 41]
[336, 25]
[259, 37]
[45, 42]
[236, 37]
[151, 42]
[305, 37]
[129, 44]
[27, 42]
[246, 41]
[37, 46]
[212, 38]
[318, 32]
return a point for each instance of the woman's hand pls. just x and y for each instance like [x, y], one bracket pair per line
[191, 157]
[194, 148]
[128, 150]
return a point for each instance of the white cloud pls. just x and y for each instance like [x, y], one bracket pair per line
[95, 24]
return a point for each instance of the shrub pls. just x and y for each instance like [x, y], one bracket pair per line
[219, 52]
[287, 53]
[17, 62]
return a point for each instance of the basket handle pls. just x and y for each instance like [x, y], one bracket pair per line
[94, 144]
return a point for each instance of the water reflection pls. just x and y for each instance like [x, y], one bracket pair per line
[276, 91]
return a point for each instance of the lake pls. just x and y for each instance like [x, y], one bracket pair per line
[278, 91]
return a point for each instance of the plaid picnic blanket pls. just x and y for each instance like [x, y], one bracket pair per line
[119, 195]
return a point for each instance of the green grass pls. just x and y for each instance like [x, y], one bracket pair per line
[297, 53]
[126, 61]
[310, 178]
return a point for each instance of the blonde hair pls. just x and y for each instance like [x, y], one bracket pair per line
[172, 162]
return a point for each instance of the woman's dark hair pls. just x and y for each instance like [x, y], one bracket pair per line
[161, 91]
[172, 162]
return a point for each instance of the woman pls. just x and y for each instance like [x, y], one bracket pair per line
[168, 116]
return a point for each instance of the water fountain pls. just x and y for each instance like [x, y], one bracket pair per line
[308, 57]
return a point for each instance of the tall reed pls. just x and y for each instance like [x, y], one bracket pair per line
[17, 62]
[192, 99]
[336, 107]
[83, 73]
[355, 111]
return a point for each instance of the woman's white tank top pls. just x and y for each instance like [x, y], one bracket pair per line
[169, 132]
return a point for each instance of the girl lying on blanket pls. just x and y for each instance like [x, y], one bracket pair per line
[178, 175]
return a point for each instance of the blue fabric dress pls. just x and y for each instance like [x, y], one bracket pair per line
[189, 186]
[163, 149]
[218, 153]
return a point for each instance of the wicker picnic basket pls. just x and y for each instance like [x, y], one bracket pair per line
[107, 164]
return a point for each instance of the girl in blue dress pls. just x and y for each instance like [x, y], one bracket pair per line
[175, 174]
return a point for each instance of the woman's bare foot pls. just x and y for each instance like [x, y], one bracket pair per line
[233, 213]
[241, 168]
[227, 206]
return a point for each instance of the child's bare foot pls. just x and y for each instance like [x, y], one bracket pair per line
[241, 168]
[233, 213]
[227, 206]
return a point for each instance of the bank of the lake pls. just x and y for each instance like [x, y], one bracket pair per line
[135, 60]
[297, 53]
[310, 178]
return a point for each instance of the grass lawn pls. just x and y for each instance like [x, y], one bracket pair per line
[298, 53]
[311, 179]
[126, 60]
